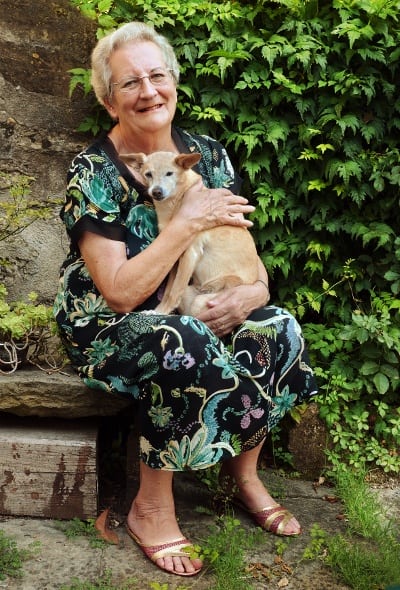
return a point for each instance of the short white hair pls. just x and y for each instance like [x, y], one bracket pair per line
[134, 31]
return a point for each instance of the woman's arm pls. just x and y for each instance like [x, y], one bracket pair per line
[126, 283]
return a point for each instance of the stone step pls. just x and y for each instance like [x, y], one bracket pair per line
[60, 394]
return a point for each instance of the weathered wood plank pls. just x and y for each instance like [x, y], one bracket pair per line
[48, 468]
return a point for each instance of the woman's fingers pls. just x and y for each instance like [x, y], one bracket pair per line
[216, 207]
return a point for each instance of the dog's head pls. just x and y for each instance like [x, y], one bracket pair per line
[165, 174]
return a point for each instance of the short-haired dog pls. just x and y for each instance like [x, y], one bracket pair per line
[217, 259]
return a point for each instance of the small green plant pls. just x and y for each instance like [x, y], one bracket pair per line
[224, 550]
[26, 328]
[76, 527]
[280, 546]
[316, 547]
[17, 207]
[12, 558]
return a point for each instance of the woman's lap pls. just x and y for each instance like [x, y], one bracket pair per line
[203, 400]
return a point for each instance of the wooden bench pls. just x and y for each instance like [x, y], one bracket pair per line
[49, 425]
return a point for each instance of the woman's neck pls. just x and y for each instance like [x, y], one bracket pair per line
[146, 143]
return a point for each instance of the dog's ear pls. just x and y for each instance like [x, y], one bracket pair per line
[134, 160]
[187, 161]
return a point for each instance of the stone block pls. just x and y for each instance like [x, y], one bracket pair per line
[30, 392]
[48, 468]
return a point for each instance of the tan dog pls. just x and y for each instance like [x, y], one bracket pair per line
[217, 259]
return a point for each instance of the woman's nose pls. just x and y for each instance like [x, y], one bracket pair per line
[146, 87]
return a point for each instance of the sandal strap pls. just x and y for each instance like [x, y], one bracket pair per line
[171, 549]
[273, 519]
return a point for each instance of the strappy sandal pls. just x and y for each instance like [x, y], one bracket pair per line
[176, 548]
[272, 519]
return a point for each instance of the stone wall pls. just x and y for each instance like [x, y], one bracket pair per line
[40, 40]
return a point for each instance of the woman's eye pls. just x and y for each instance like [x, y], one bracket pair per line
[158, 77]
[132, 83]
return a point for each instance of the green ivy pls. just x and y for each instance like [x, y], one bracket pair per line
[306, 96]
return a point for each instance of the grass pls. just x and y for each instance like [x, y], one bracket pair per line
[75, 528]
[224, 551]
[368, 554]
[12, 558]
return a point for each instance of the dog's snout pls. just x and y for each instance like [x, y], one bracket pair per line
[157, 193]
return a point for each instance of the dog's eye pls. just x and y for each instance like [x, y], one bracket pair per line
[148, 175]
[170, 173]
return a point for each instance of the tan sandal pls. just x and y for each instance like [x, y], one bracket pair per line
[272, 519]
[176, 548]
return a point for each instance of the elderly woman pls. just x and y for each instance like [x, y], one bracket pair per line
[208, 388]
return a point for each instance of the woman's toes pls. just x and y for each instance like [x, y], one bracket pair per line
[293, 527]
[180, 565]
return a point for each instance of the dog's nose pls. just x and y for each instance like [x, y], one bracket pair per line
[157, 193]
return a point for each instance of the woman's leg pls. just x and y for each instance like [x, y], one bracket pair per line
[241, 473]
[152, 517]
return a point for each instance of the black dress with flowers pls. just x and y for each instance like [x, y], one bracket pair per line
[200, 399]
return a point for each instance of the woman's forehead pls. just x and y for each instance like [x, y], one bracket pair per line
[143, 55]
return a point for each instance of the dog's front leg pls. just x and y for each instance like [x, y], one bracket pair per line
[177, 285]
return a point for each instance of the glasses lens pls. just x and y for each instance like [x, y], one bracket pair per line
[158, 78]
[130, 85]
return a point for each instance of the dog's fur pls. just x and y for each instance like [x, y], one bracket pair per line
[217, 259]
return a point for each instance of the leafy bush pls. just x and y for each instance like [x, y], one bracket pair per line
[305, 94]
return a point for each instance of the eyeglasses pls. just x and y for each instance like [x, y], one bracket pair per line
[157, 77]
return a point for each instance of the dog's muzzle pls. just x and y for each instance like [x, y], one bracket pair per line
[157, 193]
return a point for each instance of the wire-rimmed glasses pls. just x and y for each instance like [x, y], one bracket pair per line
[132, 84]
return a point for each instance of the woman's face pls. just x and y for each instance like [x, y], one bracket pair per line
[148, 108]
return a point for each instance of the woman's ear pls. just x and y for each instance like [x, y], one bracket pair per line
[110, 109]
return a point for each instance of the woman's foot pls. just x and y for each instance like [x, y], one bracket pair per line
[157, 533]
[242, 482]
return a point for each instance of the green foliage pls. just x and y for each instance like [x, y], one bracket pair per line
[224, 549]
[25, 326]
[318, 543]
[21, 319]
[368, 554]
[12, 558]
[359, 371]
[26, 330]
[17, 208]
[76, 528]
[305, 94]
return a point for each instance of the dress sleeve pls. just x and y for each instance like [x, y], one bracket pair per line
[95, 198]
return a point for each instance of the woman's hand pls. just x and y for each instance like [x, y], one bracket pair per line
[207, 208]
[232, 307]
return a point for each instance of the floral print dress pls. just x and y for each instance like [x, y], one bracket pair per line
[200, 399]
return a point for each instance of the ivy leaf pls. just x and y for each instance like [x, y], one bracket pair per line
[381, 383]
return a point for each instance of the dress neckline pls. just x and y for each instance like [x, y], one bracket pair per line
[109, 147]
